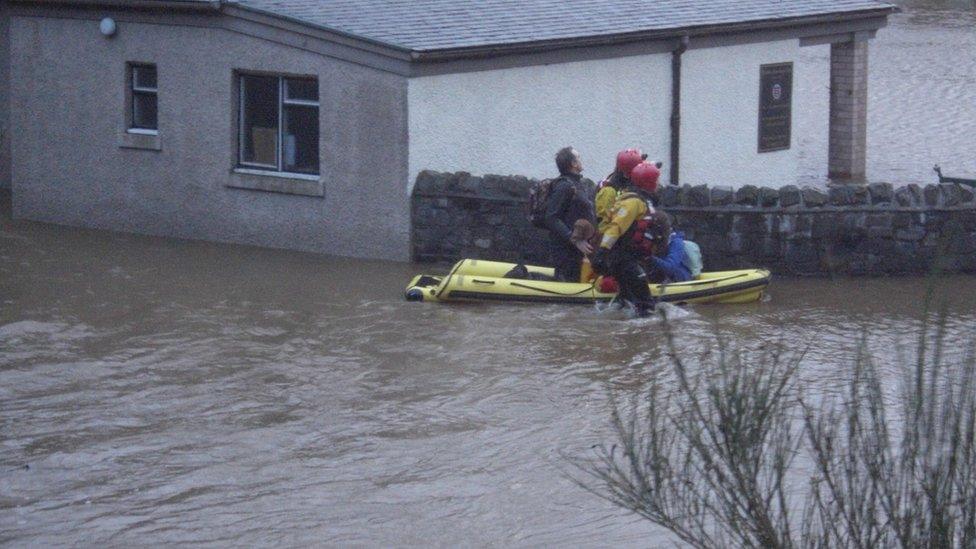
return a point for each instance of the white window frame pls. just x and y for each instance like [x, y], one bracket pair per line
[279, 149]
[135, 89]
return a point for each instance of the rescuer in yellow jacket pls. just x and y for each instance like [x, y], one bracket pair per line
[604, 201]
[622, 249]
[610, 187]
[606, 196]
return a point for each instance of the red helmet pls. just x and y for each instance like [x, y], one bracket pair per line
[644, 176]
[627, 159]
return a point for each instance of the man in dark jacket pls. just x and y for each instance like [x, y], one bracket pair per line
[570, 199]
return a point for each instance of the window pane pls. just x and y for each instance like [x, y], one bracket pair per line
[259, 123]
[301, 153]
[144, 111]
[304, 89]
[144, 77]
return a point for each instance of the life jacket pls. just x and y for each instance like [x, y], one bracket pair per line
[640, 236]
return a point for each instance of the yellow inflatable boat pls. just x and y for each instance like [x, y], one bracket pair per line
[477, 280]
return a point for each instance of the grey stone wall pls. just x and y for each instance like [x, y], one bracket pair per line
[872, 229]
[459, 215]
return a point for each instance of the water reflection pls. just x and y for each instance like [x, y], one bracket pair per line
[921, 97]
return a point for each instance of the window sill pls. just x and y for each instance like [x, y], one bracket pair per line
[277, 182]
[140, 139]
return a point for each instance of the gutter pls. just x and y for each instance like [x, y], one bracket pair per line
[674, 168]
[234, 9]
[536, 46]
[406, 53]
[232, 5]
[175, 5]
[641, 36]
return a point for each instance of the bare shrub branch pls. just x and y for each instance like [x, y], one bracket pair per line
[712, 460]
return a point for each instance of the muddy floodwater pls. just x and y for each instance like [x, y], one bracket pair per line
[157, 391]
[163, 391]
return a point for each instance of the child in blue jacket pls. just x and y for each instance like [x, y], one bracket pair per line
[668, 263]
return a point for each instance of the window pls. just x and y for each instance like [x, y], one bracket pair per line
[279, 124]
[775, 106]
[143, 98]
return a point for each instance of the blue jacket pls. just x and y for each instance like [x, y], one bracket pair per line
[673, 263]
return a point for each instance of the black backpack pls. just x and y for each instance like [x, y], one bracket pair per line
[538, 201]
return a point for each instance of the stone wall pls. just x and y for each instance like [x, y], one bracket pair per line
[870, 229]
[457, 215]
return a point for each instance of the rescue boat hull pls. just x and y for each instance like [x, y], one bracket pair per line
[478, 280]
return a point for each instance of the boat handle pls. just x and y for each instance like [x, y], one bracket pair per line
[476, 281]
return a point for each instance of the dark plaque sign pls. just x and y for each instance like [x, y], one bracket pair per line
[775, 100]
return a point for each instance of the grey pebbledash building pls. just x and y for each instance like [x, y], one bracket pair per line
[303, 123]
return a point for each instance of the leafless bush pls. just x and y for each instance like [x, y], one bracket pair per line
[713, 461]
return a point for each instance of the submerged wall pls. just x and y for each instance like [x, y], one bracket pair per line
[873, 229]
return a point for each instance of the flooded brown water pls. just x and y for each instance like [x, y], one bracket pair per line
[163, 391]
[157, 391]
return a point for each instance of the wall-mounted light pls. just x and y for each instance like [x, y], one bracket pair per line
[107, 27]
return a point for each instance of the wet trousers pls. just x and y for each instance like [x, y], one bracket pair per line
[627, 268]
[567, 260]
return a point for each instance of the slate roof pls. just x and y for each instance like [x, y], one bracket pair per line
[431, 25]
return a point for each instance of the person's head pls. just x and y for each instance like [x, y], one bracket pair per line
[659, 232]
[627, 159]
[644, 176]
[568, 161]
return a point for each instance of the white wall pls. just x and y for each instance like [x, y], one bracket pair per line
[720, 116]
[512, 121]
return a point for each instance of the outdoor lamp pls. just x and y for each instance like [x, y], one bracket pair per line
[107, 27]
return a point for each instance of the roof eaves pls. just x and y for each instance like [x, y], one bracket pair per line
[181, 5]
[491, 50]
[403, 51]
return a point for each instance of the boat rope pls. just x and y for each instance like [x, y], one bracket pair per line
[447, 279]
[543, 290]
